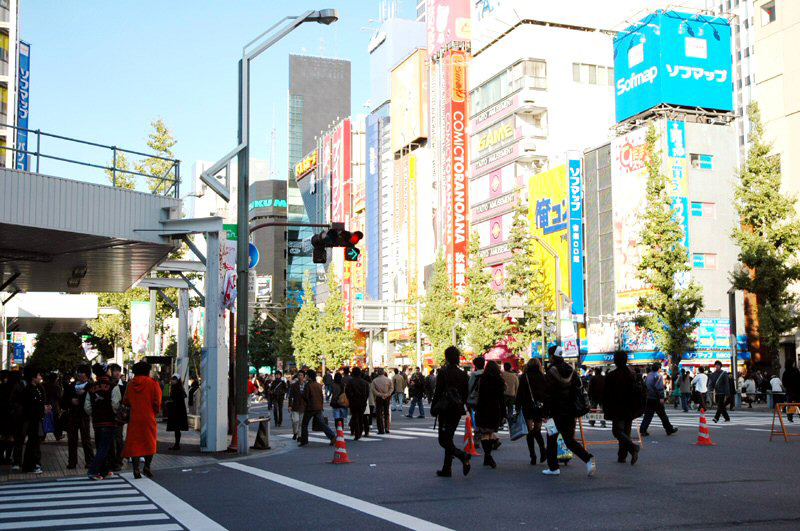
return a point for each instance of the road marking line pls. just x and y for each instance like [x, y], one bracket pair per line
[58, 483]
[83, 521]
[178, 509]
[122, 491]
[757, 429]
[155, 527]
[25, 489]
[310, 439]
[390, 436]
[416, 433]
[371, 509]
[65, 512]
[75, 503]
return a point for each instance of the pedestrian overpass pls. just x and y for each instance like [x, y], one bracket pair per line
[66, 235]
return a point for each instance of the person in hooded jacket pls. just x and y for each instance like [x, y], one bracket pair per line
[490, 410]
[561, 384]
[530, 400]
[143, 396]
[622, 402]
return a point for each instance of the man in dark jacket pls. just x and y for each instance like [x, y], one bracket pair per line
[357, 392]
[77, 419]
[115, 454]
[791, 383]
[719, 382]
[101, 404]
[416, 390]
[297, 404]
[314, 396]
[449, 398]
[561, 382]
[655, 401]
[622, 402]
[33, 407]
[278, 390]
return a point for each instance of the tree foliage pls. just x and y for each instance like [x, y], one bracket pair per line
[57, 351]
[768, 239]
[670, 308]
[121, 178]
[526, 279]
[440, 314]
[337, 342]
[305, 332]
[160, 141]
[271, 338]
[483, 327]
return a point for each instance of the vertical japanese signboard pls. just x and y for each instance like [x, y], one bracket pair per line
[23, 102]
[575, 185]
[458, 155]
[678, 168]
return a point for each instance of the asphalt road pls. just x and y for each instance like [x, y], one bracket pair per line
[744, 481]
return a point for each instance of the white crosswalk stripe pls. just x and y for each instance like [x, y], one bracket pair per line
[75, 504]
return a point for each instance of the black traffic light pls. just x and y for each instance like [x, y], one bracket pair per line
[336, 236]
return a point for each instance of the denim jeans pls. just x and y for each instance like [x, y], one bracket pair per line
[397, 402]
[416, 401]
[685, 401]
[104, 438]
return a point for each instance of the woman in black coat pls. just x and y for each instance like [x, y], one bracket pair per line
[530, 400]
[490, 410]
[177, 419]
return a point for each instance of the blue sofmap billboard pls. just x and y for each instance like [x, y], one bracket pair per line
[575, 191]
[23, 91]
[674, 58]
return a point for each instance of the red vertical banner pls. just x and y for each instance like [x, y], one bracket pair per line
[345, 170]
[458, 167]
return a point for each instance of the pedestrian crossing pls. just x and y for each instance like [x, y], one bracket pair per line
[79, 503]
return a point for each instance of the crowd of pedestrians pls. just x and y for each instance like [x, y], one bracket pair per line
[110, 418]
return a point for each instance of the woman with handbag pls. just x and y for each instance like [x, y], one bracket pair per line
[490, 410]
[339, 401]
[563, 389]
[530, 400]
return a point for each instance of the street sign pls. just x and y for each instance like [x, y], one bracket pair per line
[254, 256]
[231, 231]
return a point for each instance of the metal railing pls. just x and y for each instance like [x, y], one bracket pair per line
[167, 184]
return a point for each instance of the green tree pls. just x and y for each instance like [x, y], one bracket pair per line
[161, 142]
[306, 329]
[338, 343]
[527, 280]
[57, 351]
[195, 354]
[121, 178]
[769, 241]
[260, 348]
[671, 307]
[483, 327]
[439, 317]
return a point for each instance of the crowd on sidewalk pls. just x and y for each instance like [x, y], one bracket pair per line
[113, 418]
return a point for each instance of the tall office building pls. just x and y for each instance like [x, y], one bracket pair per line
[9, 78]
[319, 96]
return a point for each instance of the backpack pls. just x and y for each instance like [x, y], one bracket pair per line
[449, 402]
[472, 397]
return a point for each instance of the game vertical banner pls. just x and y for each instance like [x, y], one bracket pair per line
[575, 175]
[345, 170]
[23, 102]
[677, 162]
[458, 170]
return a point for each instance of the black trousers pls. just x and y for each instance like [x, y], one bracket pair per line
[722, 403]
[33, 452]
[447, 428]
[565, 427]
[79, 425]
[654, 405]
[621, 430]
[277, 410]
[382, 411]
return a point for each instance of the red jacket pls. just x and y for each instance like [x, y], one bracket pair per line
[143, 395]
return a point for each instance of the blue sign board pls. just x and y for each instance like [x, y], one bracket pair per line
[373, 238]
[575, 191]
[679, 178]
[254, 255]
[674, 58]
[23, 102]
[19, 353]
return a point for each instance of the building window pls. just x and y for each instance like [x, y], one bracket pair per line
[524, 74]
[592, 74]
[746, 23]
[701, 161]
[704, 210]
[768, 13]
[747, 52]
[704, 261]
[747, 81]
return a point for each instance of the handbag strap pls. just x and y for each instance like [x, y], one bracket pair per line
[530, 391]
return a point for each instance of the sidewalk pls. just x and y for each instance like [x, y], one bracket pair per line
[54, 455]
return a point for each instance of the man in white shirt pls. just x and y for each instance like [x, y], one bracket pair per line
[700, 384]
[776, 384]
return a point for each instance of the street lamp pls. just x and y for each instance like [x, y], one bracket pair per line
[251, 50]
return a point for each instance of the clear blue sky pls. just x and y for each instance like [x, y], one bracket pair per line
[101, 70]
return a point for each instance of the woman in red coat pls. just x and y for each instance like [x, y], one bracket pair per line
[143, 396]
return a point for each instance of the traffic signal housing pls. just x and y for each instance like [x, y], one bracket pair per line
[336, 236]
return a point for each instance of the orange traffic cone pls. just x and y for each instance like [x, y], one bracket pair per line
[340, 450]
[703, 438]
[469, 439]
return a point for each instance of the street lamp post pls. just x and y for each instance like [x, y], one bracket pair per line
[250, 52]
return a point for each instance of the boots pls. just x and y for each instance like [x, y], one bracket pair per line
[146, 470]
[530, 439]
[135, 463]
[487, 445]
